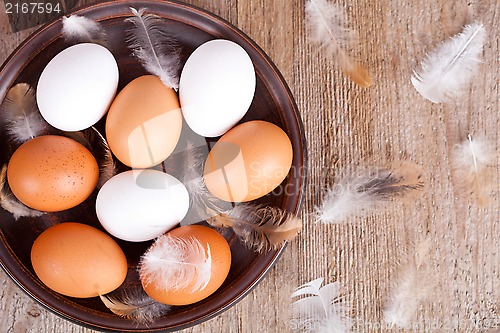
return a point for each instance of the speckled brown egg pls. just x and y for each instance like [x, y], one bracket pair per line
[78, 260]
[52, 173]
[248, 162]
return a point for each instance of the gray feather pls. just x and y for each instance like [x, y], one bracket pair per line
[136, 305]
[366, 191]
[156, 49]
[20, 114]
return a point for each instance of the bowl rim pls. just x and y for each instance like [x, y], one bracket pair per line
[23, 50]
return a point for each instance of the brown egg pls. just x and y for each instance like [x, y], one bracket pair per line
[78, 260]
[144, 123]
[248, 162]
[52, 173]
[221, 262]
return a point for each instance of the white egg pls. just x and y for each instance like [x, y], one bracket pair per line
[77, 86]
[139, 205]
[216, 87]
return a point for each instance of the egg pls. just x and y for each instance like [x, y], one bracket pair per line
[78, 260]
[144, 123]
[77, 86]
[220, 255]
[248, 162]
[52, 173]
[216, 87]
[139, 205]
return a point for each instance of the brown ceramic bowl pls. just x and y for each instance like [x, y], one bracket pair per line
[272, 102]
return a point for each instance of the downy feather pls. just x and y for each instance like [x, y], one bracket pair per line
[80, 29]
[136, 305]
[472, 162]
[20, 114]
[450, 67]
[366, 191]
[10, 203]
[321, 309]
[413, 286]
[156, 49]
[173, 264]
[203, 204]
[329, 28]
[107, 167]
[261, 228]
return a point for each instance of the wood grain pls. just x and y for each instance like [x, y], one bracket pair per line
[347, 126]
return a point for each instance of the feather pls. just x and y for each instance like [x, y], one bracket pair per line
[135, 305]
[329, 28]
[10, 203]
[366, 191]
[414, 285]
[203, 205]
[450, 67]
[320, 309]
[156, 49]
[20, 114]
[81, 29]
[472, 162]
[107, 167]
[260, 228]
[173, 264]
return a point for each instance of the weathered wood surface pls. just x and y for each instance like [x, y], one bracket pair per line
[347, 126]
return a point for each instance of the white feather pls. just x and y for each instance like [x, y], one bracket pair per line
[173, 263]
[330, 29]
[367, 190]
[412, 287]
[472, 162]
[81, 29]
[155, 48]
[320, 309]
[20, 114]
[473, 155]
[450, 67]
[404, 300]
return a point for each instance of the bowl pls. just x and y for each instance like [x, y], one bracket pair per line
[272, 102]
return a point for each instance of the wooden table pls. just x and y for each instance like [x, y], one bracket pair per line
[346, 127]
